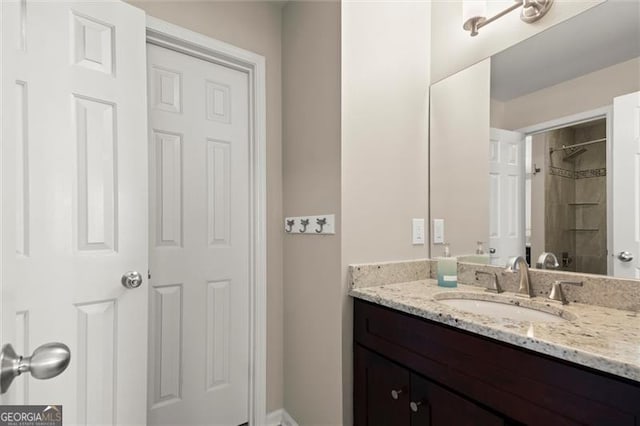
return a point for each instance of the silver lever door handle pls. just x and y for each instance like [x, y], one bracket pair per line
[47, 361]
[131, 279]
[625, 256]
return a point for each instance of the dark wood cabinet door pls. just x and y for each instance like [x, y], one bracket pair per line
[434, 405]
[381, 391]
[451, 409]
[387, 394]
[420, 404]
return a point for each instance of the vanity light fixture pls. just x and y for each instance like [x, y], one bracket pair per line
[474, 12]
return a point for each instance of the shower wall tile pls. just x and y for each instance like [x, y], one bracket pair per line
[590, 173]
[581, 179]
[560, 191]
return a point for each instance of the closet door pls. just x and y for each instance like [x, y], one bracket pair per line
[199, 240]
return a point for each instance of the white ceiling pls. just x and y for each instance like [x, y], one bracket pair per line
[597, 38]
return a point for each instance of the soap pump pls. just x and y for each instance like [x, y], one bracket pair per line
[447, 269]
[480, 248]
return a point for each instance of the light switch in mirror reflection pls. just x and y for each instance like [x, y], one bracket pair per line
[553, 116]
[438, 231]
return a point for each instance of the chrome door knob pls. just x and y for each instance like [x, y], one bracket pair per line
[625, 256]
[47, 361]
[131, 279]
[395, 394]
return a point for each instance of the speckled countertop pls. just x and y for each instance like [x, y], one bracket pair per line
[601, 338]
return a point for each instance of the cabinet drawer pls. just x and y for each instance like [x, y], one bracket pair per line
[524, 385]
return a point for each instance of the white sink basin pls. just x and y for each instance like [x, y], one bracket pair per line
[503, 307]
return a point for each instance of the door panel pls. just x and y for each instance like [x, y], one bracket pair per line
[199, 170]
[79, 216]
[626, 184]
[14, 99]
[506, 195]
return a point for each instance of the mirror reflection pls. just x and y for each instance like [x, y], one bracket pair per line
[561, 142]
[566, 194]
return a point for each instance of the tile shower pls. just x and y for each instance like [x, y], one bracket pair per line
[576, 198]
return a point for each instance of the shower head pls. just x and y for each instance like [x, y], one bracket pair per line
[573, 153]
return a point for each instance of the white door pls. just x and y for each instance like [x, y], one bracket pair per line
[74, 203]
[626, 186]
[199, 226]
[506, 195]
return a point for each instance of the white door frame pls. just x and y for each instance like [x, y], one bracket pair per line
[164, 34]
[603, 112]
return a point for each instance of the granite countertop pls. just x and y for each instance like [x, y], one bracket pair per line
[602, 338]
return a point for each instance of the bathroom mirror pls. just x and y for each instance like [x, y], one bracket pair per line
[523, 153]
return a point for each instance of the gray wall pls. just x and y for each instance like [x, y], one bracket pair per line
[385, 119]
[596, 90]
[459, 153]
[311, 170]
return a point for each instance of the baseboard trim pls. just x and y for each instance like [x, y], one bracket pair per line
[280, 418]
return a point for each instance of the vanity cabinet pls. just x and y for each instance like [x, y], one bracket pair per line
[461, 378]
[393, 395]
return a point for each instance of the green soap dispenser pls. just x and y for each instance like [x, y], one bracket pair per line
[447, 269]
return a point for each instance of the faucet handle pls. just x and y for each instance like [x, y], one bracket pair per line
[494, 287]
[557, 293]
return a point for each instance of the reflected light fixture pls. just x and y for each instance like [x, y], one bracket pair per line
[474, 12]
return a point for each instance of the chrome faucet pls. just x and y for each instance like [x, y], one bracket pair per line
[547, 260]
[519, 264]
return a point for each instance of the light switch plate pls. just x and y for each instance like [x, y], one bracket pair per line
[438, 231]
[417, 231]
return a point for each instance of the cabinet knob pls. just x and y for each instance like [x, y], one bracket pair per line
[395, 394]
[415, 406]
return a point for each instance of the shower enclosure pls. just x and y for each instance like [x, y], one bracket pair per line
[574, 203]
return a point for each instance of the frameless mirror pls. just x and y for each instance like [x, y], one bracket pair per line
[536, 149]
